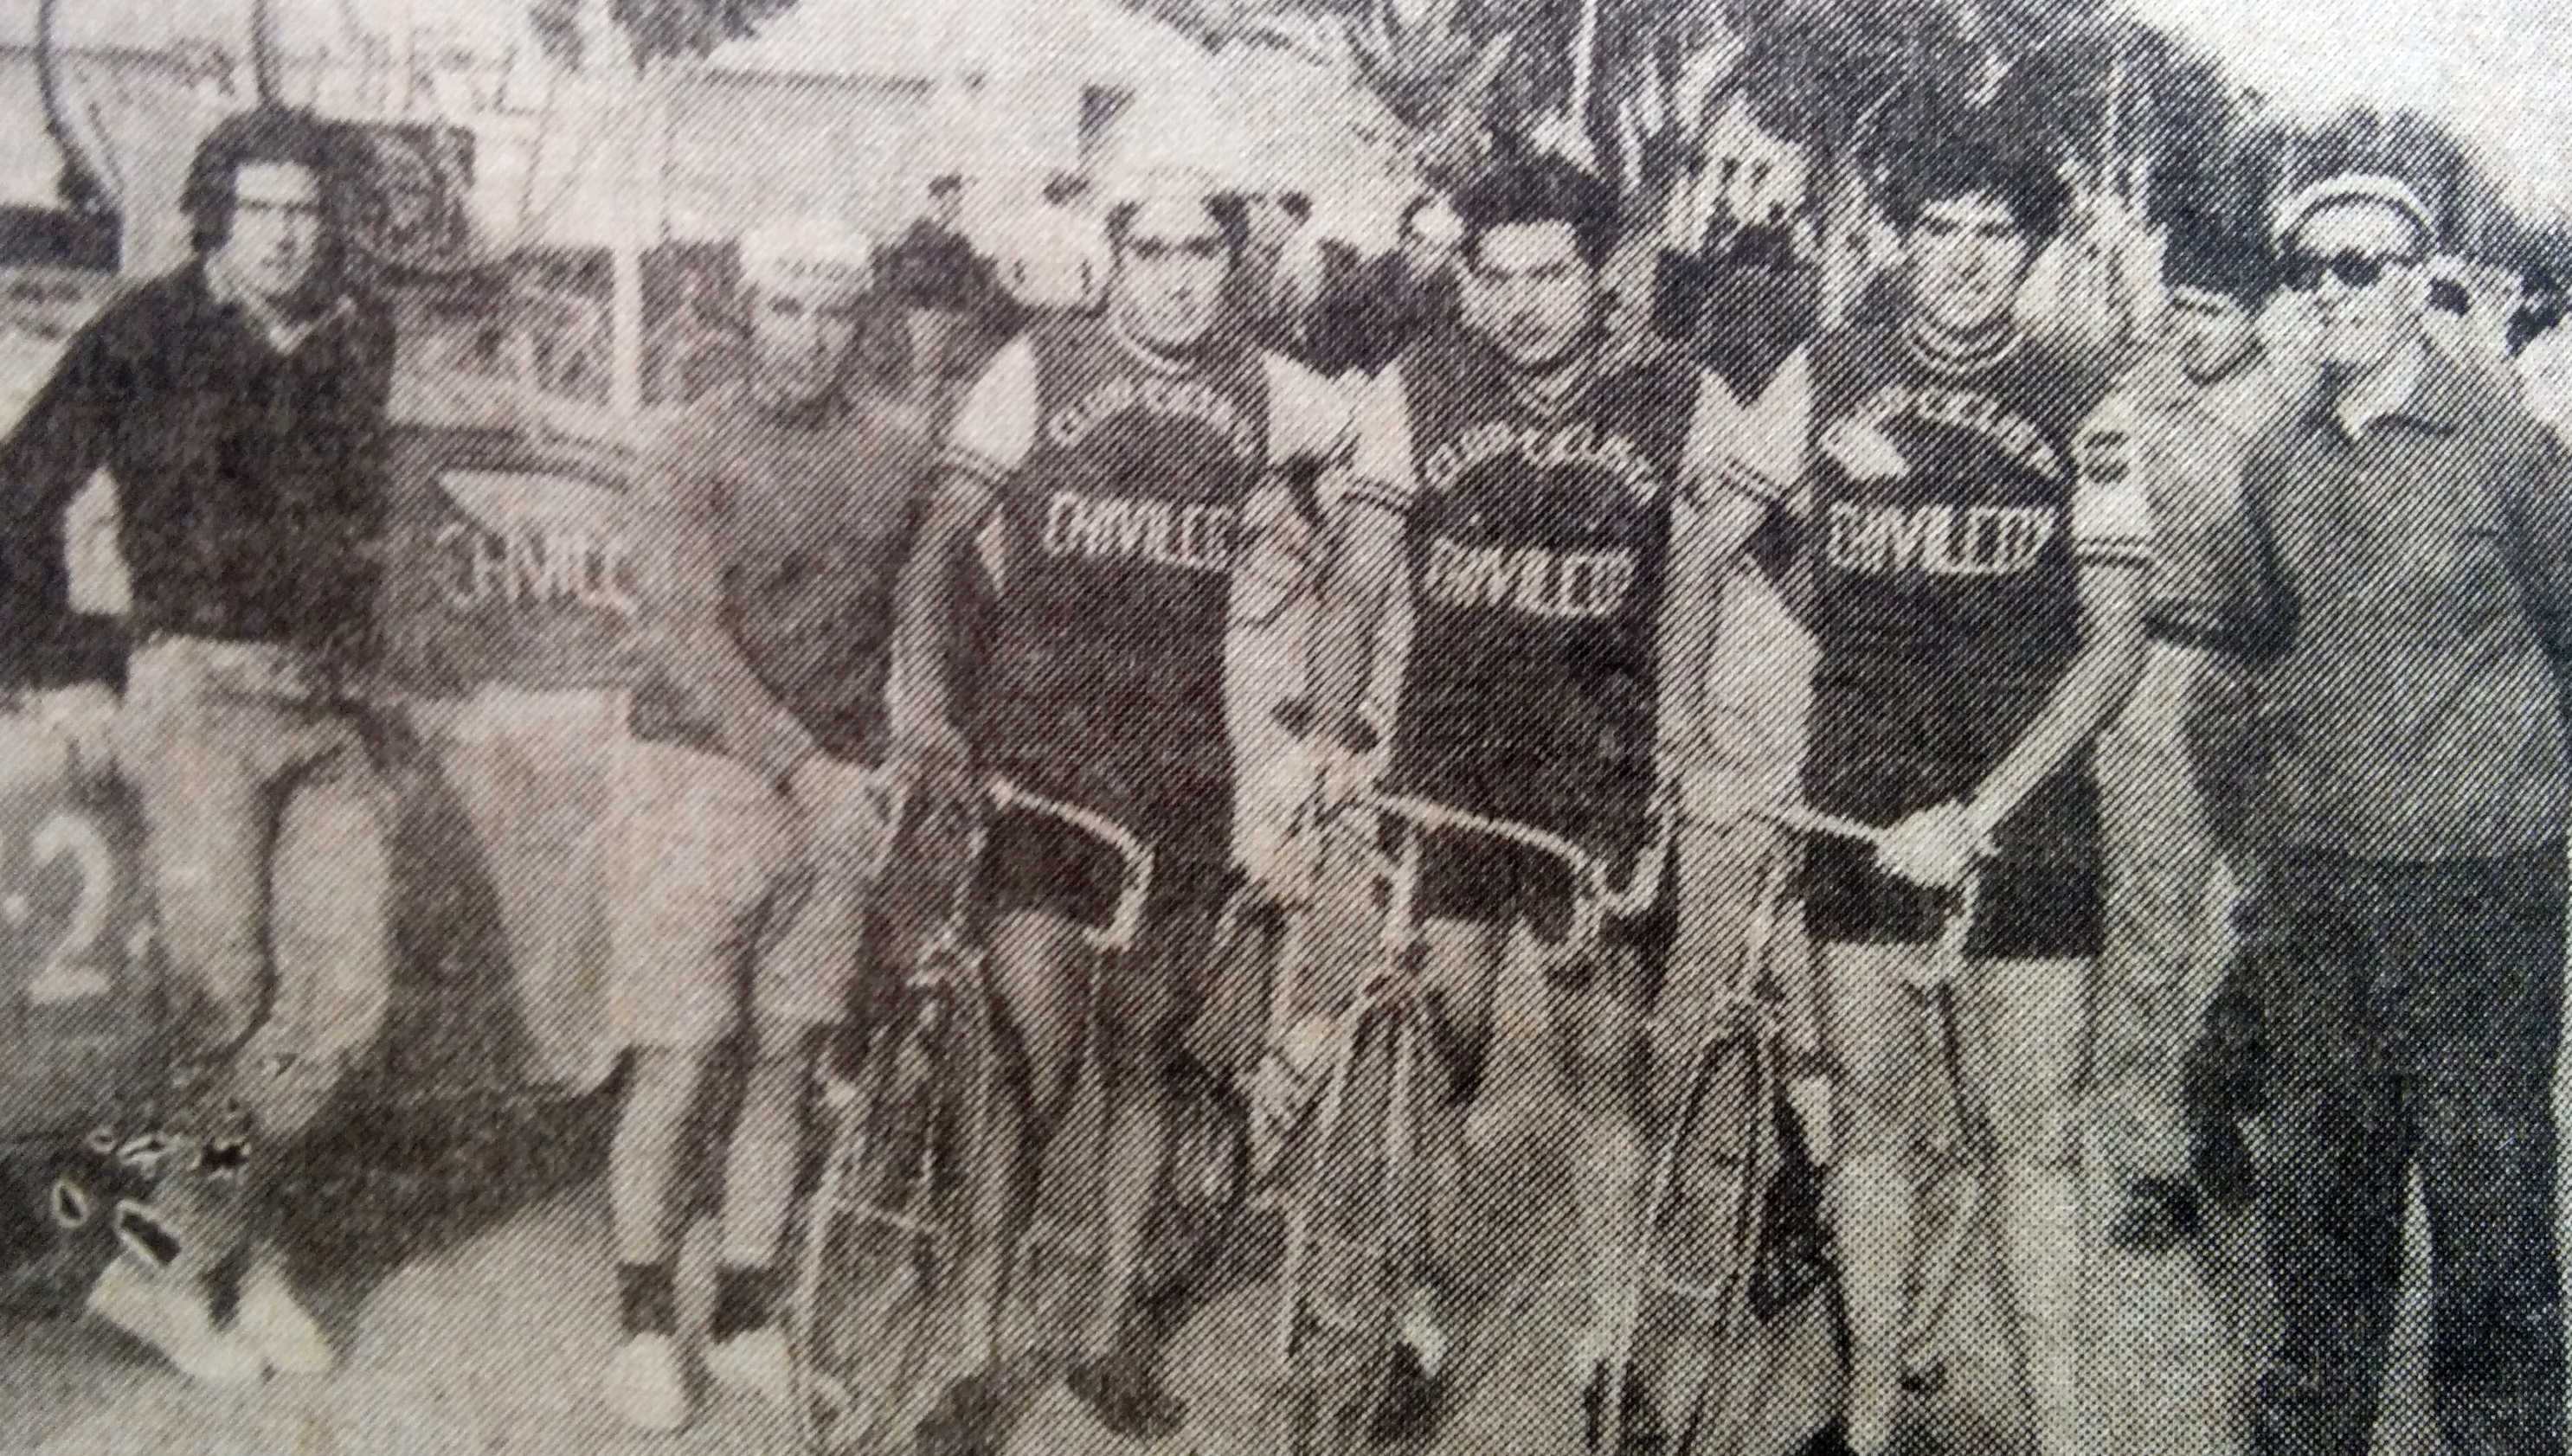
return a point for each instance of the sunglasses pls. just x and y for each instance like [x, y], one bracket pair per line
[2303, 273]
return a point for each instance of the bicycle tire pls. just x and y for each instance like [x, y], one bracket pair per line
[1363, 1238]
[873, 1323]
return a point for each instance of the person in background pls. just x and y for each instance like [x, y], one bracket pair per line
[2171, 768]
[1061, 259]
[1367, 316]
[239, 404]
[743, 844]
[950, 290]
[2397, 583]
[1281, 270]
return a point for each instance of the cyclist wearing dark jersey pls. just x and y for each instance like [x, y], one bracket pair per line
[1522, 488]
[1121, 456]
[1977, 553]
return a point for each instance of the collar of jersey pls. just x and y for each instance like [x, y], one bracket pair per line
[1960, 357]
[1553, 406]
[1148, 357]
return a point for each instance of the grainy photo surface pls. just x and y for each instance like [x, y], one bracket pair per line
[1283, 727]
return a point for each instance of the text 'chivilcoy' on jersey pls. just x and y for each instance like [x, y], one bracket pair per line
[1121, 477]
[1540, 532]
[1948, 498]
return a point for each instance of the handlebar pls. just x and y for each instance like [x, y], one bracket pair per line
[1596, 897]
[1134, 879]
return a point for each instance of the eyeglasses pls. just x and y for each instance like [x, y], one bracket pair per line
[2303, 273]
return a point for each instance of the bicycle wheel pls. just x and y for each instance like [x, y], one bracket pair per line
[876, 1319]
[1355, 1236]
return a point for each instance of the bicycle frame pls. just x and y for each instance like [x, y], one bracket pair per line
[946, 963]
[1942, 1265]
[1394, 986]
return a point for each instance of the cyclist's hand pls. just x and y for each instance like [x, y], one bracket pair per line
[849, 811]
[932, 758]
[82, 717]
[1934, 847]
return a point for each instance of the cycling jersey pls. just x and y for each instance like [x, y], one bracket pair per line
[1121, 476]
[1947, 501]
[1539, 529]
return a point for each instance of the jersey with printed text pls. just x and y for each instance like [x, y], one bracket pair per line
[1958, 559]
[1120, 524]
[1538, 537]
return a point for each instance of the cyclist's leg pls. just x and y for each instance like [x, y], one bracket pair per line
[2027, 1019]
[2026, 1027]
[697, 841]
[1872, 935]
[1883, 1073]
[1149, 998]
[1039, 965]
[798, 984]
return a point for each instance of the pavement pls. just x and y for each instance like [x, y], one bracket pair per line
[462, 1265]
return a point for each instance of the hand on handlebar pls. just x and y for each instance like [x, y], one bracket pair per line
[847, 811]
[1935, 847]
[932, 758]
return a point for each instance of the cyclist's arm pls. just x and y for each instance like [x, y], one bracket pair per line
[1742, 464]
[2112, 547]
[987, 441]
[1369, 519]
[693, 655]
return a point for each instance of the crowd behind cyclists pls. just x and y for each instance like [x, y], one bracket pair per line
[2209, 687]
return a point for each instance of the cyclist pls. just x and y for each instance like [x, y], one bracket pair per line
[1516, 490]
[742, 843]
[1978, 557]
[1124, 457]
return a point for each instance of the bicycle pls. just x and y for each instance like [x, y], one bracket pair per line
[1363, 1200]
[1738, 1039]
[1940, 1266]
[885, 1226]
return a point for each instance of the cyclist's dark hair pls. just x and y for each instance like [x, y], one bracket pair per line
[267, 135]
[1224, 208]
[1970, 158]
[1539, 188]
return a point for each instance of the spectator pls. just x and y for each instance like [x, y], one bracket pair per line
[2398, 582]
[1062, 252]
[1371, 314]
[2164, 815]
[935, 265]
[239, 403]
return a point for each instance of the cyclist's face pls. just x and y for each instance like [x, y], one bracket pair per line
[1529, 292]
[801, 331]
[275, 235]
[1968, 257]
[1171, 265]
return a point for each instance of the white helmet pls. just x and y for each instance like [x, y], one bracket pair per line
[807, 250]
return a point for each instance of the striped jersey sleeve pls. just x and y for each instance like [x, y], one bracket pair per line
[2112, 517]
[1770, 441]
[1716, 427]
[1310, 418]
[995, 426]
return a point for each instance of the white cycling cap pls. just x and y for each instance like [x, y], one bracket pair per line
[807, 250]
[2353, 187]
